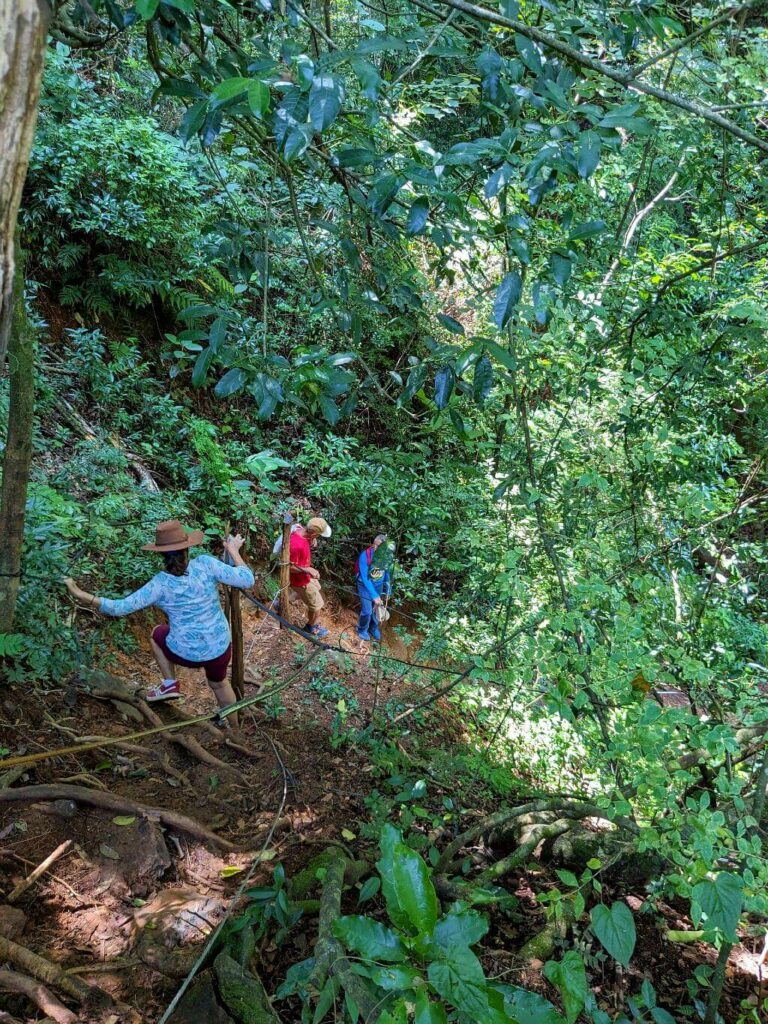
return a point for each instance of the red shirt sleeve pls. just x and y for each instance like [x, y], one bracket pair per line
[300, 555]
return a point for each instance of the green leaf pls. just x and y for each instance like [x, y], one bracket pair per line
[570, 978]
[369, 889]
[367, 76]
[444, 382]
[124, 820]
[417, 216]
[483, 381]
[370, 938]
[507, 297]
[202, 363]
[459, 979]
[355, 156]
[720, 900]
[503, 355]
[325, 99]
[389, 841]
[229, 89]
[193, 119]
[384, 190]
[529, 54]
[450, 324]
[258, 98]
[530, 1007]
[459, 928]
[414, 890]
[428, 1012]
[589, 154]
[147, 9]
[395, 979]
[561, 268]
[231, 382]
[589, 229]
[329, 410]
[615, 928]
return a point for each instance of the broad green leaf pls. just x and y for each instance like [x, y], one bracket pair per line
[390, 840]
[529, 54]
[193, 119]
[258, 98]
[417, 216]
[369, 889]
[355, 156]
[370, 938]
[124, 819]
[720, 900]
[229, 89]
[530, 1007]
[451, 324]
[382, 194]
[325, 99]
[483, 380]
[503, 355]
[367, 76]
[570, 978]
[561, 268]
[507, 297]
[231, 382]
[589, 229]
[615, 928]
[329, 410]
[589, 154]
[395, 979]
[459, 979]
[459, 928]
[428, 1012]
[414, 889]
[146, 9]
[202, 363]
[445, 379]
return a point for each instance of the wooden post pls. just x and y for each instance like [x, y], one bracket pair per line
[285, 569]
[235, 617]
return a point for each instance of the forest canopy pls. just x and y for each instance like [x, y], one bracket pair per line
[490, 280]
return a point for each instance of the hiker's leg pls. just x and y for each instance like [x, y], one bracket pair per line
[167, 670]
[218, 680]
[366, 611]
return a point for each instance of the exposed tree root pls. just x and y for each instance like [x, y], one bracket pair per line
[32, 877]
[108, 690]
[536, 835]
[242, 992]
[118, 805]
[572, 810]
[329, 953]
[42, 997]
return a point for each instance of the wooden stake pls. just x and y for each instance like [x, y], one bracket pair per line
[285, 570]
[236, 625]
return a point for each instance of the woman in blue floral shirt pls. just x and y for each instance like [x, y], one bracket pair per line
[197, 634]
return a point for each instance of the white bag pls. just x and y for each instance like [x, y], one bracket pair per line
[277, 547]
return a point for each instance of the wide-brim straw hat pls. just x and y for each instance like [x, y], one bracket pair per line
[171, 536]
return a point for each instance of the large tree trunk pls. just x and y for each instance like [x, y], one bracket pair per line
[23, 28]
[18, 451]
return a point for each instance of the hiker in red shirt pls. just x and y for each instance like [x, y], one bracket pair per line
[305, 581]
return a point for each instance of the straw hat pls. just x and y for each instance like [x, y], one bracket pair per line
[171, 536]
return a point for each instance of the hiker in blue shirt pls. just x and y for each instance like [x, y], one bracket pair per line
[372, 581]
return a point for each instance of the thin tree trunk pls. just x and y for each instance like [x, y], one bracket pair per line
[23, 28]
[18, 452]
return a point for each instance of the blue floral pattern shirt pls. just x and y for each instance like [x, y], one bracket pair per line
[199, 629]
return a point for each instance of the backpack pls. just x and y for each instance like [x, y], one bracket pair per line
[369, 553]
[277, 547]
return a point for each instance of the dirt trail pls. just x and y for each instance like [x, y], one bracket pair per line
[131, 897]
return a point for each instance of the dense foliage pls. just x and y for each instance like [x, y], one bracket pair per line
[481, 278]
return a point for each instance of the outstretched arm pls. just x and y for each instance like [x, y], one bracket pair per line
[237, 575]
[141, 598]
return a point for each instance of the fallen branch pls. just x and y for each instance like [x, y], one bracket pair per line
[519, 856]
[51, 974]
[49, 861]
[44, 999]
[118, 805]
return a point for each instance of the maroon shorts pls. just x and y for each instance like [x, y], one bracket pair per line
[215, 669]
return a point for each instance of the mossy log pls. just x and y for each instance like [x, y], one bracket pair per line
[242, 993]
